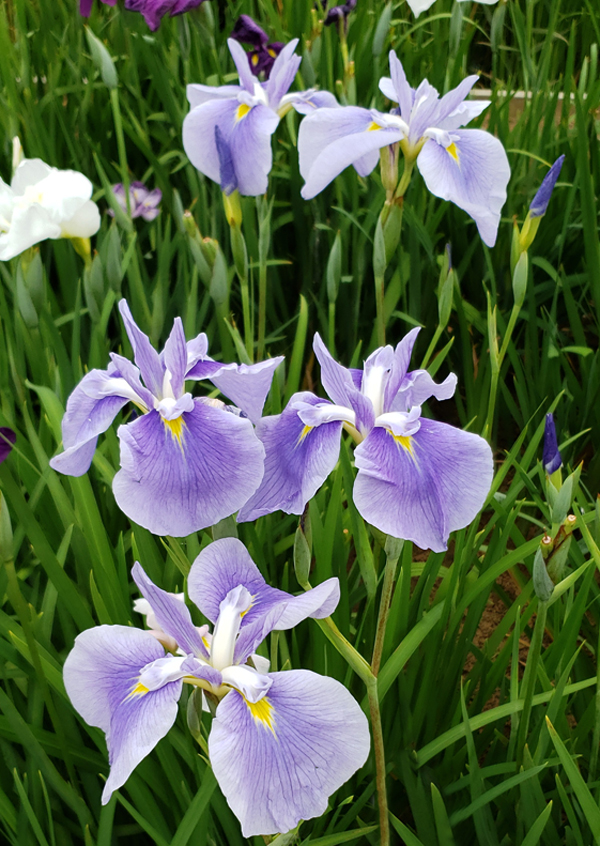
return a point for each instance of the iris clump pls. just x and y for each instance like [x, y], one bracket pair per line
[280, 743]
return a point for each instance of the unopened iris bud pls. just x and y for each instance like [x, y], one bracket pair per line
[546, 545]
[539, 204]
[388, 157]
[551, 457]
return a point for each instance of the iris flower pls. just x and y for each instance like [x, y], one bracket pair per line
[142, 202]
[234, 123]
[280, 743]
[185, 463]
[467, 166]
[262, 57]
[44, 202]
[417, 479]
[152, 10]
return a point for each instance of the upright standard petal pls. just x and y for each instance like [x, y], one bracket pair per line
[172, 615]
[246, 385]
[297, 462]
[282, 74]
[472, 172]
[277, 761]
[335, 378]
[183, 475]
[101, 677]
[226, 563]
[425, 486]
[144, 354]
[329, 140]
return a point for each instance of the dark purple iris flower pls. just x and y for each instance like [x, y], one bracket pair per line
[262, 57]
[152, 10]
[7, 439]
[339, 13]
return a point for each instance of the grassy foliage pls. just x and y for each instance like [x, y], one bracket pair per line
[489, 740]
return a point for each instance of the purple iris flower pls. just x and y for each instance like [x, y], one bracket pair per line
[339, 13]
[551, 458]
[280, 743]
[246, 116]
[539, 204]
[417, 479]
[185, 463]
[142, 202]
[262, 57]
[467, 166]
[7, 439]
[154, 10]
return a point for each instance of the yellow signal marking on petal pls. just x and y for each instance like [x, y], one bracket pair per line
[254, 59]
[262, 711]
[176, 428]
[404, 441]
[139, 690]
[452, 151]
[303, 434]
[242, 110]
[271, 53]
[373, 126]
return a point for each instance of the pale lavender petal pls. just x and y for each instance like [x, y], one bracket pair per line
[329, 140]
[240, 58]
[279, 761]
[298, 460]
[464, 113]
[424, 489]
[402, 355]
[404, 93]
[101, 674]
[149, 207]
[144, 354]
[198, 94]
[246, 385]
[121, 366]
[226, 563]
[475, 178]
[335, 378]
[172, 616]
[250, 145]
[451, 101]
[91, 409]
[282, 74]
[197, 349]
[175, 357]
[193, 667]
[306, 101]
[199, 134]
[180, 477]
[418, 387]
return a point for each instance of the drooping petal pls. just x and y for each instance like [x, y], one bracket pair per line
[329, 140]
[179, 478]
[246, 385]
[144, 354]
[226, 563]
[84, 223]
[298, 460]
[249, 32]
[91, 409]
[198, 94]
[423, 487]
[172, 616]
[306, 101]
[282, 74]
[28, 226]
[250, 145]
[473, 173]
[101, 677]
[279, 760]
[199, 133]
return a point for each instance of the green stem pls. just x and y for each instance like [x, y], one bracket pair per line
[379, 748]
[116, 110]
[389, 578]
[496, 368]
[380, 307]
[530, 678]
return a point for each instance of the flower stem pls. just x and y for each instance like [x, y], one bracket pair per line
[393, 548]
[384, 825]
